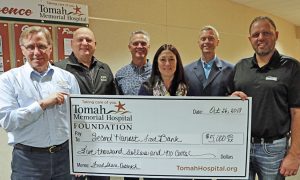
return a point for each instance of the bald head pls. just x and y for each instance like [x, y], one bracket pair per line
[84, 30]
[83, 44]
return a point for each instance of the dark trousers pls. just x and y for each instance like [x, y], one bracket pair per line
[31, 165]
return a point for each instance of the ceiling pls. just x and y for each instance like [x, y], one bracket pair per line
[285, 9]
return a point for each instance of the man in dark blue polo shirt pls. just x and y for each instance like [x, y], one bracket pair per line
[273, 81]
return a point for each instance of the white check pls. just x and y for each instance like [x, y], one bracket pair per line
[167, 137]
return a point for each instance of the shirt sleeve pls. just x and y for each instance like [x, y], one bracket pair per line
[145, 91]
[12, 116]
[75, 89]
[294, 87]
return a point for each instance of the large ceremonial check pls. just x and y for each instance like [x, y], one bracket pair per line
[166, 137]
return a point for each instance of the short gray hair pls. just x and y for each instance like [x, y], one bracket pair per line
[33, 30]
[140, 32]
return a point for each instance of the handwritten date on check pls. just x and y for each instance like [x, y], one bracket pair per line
[166, 137]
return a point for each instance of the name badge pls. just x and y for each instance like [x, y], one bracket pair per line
[271, 78]
[103, 78]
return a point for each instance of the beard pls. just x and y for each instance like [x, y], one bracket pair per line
[263, 52]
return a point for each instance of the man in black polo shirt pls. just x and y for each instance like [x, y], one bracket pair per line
[273, 81]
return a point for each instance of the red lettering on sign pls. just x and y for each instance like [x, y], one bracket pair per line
[15, 11]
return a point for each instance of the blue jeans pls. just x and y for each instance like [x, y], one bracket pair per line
[266, 158]
[27, 165]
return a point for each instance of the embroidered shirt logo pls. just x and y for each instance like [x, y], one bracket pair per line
[103, 78]
[63, 84]
[271, 78]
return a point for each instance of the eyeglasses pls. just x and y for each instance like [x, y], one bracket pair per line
[40, 47]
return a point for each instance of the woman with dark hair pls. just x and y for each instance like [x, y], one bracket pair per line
[167, 78]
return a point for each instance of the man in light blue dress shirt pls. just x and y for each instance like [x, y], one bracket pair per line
[33, 111]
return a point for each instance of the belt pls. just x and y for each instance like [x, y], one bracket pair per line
[50, 149]
[260, 140]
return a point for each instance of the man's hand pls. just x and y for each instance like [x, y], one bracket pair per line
[291, 162]
[53, 99]
[289, 165]
[240, 94]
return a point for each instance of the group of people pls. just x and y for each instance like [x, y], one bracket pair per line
[33, 109]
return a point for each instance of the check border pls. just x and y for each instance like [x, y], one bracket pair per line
[145, 98]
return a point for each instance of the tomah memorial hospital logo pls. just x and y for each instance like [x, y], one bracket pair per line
[120, 109]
